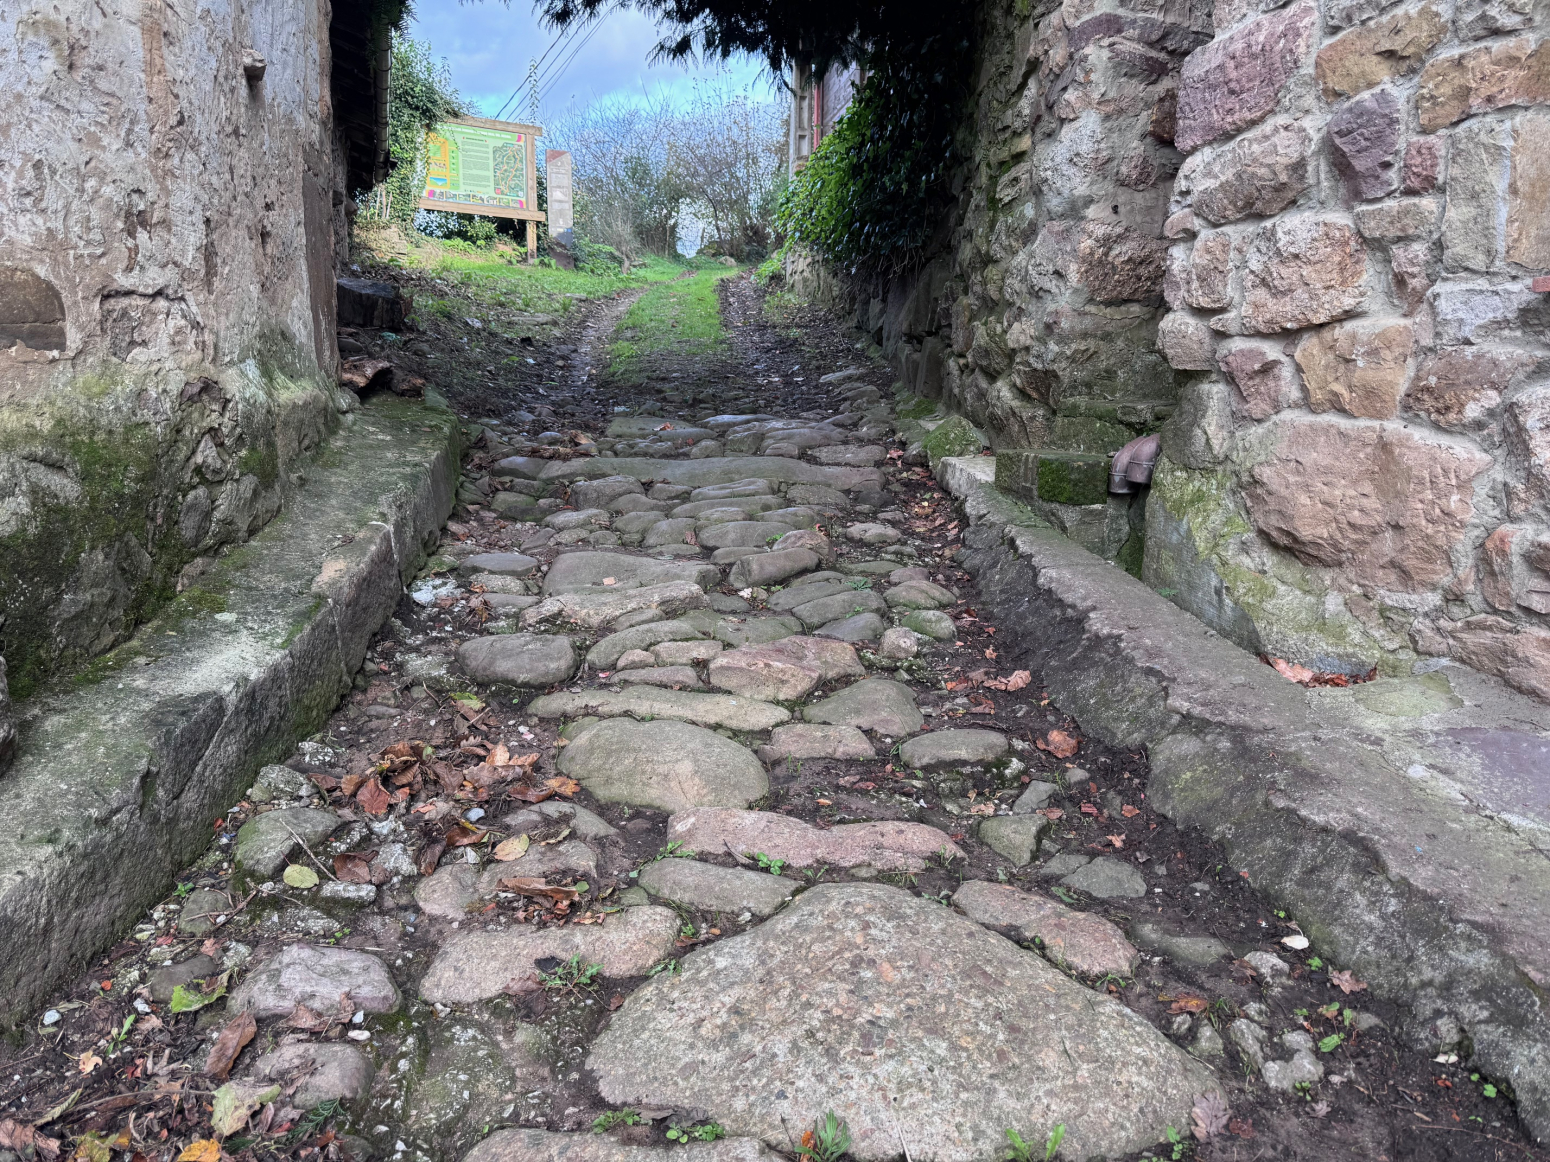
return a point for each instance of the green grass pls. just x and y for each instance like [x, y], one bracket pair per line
[678, 320]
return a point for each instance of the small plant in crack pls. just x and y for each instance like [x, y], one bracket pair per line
[611, 1118]
[571, 976]
[827, 1141]
[769, 863]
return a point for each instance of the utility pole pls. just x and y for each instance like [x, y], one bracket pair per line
[532, 91]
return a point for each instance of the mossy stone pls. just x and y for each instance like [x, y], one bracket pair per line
[954, 436]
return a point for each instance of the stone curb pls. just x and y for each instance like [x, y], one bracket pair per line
[119, 777]
[1316, 808]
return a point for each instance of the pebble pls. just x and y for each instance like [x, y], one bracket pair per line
[1107, 878]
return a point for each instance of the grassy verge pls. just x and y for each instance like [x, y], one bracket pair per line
[671, 324]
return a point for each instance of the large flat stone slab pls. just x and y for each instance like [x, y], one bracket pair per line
[684, 706]
[715, 889]
[1082, 942]
[315, 976]
[888, 845]
[518, 659]
[594, 607]
[903, 1018]
[587, 572]
[117, 781]
[1309, 790]
[663, 764]
[783, 670]
[877, 704]
[475, 966]
[718, 470]
[543, 1146]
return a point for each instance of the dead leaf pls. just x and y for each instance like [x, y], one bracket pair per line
[983, 809]
[514, 848]
[1117, 840]
[539, 889]
[561, 785]
[430, 856]
[88, 1061]
[1018, 679]
[1292, 671]
[373, 798]
[1189, 1004]
[1345, 980]
[1129, 812]
[302, 1017]
[232, 1040]
[464, 834]
[353, 867]
[1050, 813]
[22, 1138]
[1209, 1116]
[1058, 743]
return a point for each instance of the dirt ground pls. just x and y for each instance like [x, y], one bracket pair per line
[126, 1070]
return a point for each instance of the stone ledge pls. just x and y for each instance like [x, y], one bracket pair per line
[1405, 823]
[120, 774]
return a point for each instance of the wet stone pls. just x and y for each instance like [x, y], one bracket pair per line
[681, 705]
[501, 564]
[467, 1082]
[899, 643]
[918, 595]
[705, 886]
[1035, 796]
[164, 980]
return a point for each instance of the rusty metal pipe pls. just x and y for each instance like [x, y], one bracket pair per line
[1133, 464]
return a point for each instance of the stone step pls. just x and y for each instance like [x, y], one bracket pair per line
[716, 470]
[118, 778]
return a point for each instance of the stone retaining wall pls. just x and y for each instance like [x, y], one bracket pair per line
[167, 350]
[1304, 243]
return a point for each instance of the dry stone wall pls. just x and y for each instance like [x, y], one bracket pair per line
[1308, 242]
[167, 351]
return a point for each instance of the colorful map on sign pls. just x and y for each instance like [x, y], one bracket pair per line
[471, 165]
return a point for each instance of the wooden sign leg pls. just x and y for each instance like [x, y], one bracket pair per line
[530, 240]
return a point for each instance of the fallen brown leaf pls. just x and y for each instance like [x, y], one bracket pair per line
[561, 785]
[302, 1017]
[1189, 1004]
[353, 867]
[1058, 743]
[1018, 679]
[23, 1139]
[373, 797]
[1209, 1116]
[539, 889]
[1117, 840]
[1345, 980]
[1129, 812]
[464, 834]
[429, 856]
[232, 1040]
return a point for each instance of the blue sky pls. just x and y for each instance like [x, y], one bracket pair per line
[489, 44]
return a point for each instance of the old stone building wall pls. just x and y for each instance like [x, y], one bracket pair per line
[167, 349]
[1302, 241]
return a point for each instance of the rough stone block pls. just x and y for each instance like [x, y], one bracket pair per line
[1528, 190]
[1261, 173]
[1413, 270]
[1477, 80]
[1186, 342]
[1367, 56]
[1263, 377]
[1461, 387]
[1334, 494]
[1394, 221]
[1054, 476]
[1423, 165]
[1479, 160]
[1364, 136]
[1358, 367]
[1117, 264]
[1236, 80]
[1306, 269]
